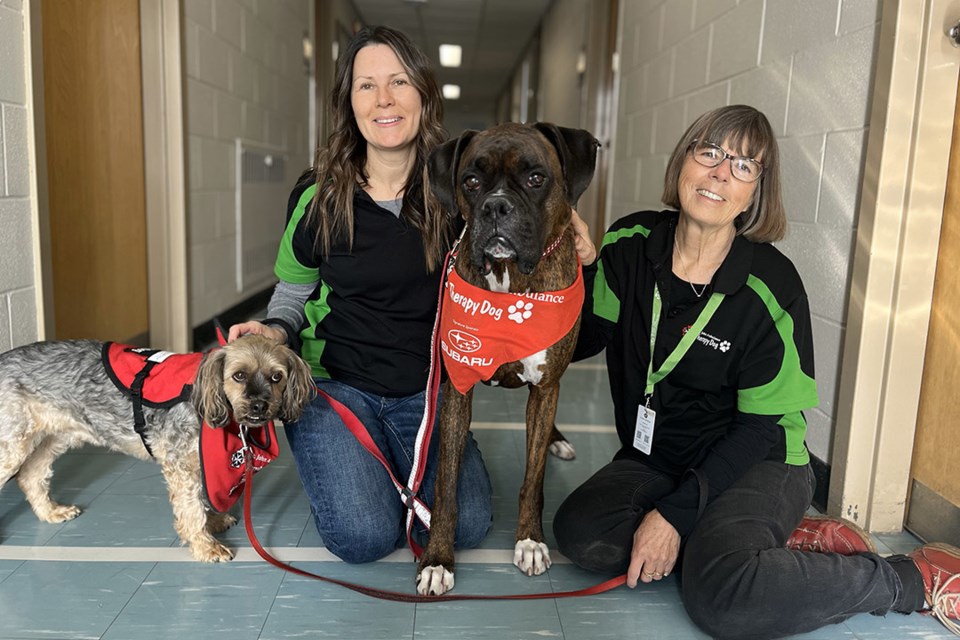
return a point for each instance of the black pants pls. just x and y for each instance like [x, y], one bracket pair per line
[737, 579]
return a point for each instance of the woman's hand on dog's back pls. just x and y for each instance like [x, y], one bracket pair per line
[252, 326]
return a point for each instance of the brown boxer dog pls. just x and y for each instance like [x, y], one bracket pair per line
[515, 186]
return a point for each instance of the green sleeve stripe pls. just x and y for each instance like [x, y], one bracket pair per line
[795, 429]
[605, 302]
[611, 237]
[312, 350]
[791, 389]
[606, 305]
[287, 267]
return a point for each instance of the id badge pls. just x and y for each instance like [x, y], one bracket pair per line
[643, 435]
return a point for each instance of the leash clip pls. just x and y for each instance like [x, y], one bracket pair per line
[406, 496]
[245, 449]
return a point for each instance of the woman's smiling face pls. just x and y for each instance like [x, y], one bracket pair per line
[386, 105]
[711, 196]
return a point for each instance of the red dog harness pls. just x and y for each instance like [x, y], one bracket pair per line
[160, 379]
[481, 330]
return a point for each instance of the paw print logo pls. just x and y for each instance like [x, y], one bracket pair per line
[520, 311]
[724, 346]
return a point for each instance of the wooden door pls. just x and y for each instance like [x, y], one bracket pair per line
[933, 511]
[94, 135]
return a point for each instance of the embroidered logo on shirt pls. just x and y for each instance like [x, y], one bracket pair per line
[708, 340]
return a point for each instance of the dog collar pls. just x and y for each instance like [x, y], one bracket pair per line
[481, 330]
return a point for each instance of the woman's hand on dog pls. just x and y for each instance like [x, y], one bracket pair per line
[252, 326]
[656, 545]
[586, 250]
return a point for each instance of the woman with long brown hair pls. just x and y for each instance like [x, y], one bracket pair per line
[359, 267]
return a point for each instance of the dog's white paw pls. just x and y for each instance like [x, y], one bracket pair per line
[532, 558]
[60, 513]
[210, 551]
[434, 581]
[563, 450]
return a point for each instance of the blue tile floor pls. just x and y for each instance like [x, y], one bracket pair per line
[118, 571]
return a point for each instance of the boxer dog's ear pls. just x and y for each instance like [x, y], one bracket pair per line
[443, 167]
[577, 150]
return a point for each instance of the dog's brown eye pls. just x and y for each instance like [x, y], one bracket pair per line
[277, 377]
[535, 180]
[471, 183]
[240, 376]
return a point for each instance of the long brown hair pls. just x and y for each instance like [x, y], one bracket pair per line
[339, 166]
[765, 220]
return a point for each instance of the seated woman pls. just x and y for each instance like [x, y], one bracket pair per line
[710, 359]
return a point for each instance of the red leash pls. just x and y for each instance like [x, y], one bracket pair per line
[394, 595]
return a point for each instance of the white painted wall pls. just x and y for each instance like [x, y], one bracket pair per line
[808, 66]
[245, 78]
[18, 292]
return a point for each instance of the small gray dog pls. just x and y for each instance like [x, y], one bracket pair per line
[55, 396]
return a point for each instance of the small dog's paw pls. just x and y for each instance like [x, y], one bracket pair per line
[434, 581]
[211, 552]
[563, 450]
[532, 558]
[60, 513]
[220, 522]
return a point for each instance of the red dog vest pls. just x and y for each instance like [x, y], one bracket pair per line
[161, 379]
[481, 330]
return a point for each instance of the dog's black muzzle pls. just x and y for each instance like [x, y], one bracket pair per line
[503, 232]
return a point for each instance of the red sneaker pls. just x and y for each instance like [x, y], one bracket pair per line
[939, 564]
[829, 534]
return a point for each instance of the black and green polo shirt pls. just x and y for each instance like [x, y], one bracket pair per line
[369, 319]
[737, 395]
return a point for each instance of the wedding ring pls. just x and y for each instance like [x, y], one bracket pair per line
[649, 575]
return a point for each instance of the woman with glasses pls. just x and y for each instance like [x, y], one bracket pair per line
[713, 468]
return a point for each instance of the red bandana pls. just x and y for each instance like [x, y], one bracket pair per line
[221, 458]
[481, 330]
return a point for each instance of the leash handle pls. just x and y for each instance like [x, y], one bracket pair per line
[395, 596]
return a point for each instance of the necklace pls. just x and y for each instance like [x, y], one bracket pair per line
[683, 267]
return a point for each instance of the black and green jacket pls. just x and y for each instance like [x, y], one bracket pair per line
[737, 395]
[369, 319]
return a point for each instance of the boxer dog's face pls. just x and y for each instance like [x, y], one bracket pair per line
[506, 184]
[514, 185]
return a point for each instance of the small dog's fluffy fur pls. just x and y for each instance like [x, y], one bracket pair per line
[55, 396]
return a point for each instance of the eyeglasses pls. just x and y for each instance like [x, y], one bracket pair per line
[711, 155]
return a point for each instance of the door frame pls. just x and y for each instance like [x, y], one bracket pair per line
[891, 290]
[164, 168]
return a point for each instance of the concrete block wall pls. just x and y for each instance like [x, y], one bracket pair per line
[18, 309]
[245, 78]
[809, 67]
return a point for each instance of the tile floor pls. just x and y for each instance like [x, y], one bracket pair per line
[118, 572]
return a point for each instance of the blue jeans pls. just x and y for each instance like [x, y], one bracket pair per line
[355, 505]
[737, 579]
